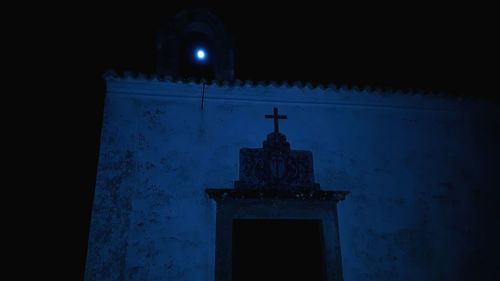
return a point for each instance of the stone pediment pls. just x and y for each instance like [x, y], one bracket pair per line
[276, 166]
[275, 171]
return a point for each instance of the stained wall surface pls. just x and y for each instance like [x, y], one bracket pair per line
[421, 170]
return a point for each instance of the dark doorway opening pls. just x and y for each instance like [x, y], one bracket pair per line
[268, 249]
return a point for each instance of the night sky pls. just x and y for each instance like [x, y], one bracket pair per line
[428, 47]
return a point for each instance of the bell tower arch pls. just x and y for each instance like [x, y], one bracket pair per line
[194, 43]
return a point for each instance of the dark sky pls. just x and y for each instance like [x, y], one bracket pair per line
[429, 47]
[423, 47]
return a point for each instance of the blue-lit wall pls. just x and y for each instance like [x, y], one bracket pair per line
[421, 171]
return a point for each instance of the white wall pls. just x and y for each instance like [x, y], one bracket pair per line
[419, 170]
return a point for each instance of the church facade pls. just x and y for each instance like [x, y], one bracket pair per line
[220, 179]
[416, 167]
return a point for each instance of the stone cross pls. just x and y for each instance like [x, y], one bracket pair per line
[275, 116]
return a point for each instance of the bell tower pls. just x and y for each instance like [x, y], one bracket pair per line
[194, 44]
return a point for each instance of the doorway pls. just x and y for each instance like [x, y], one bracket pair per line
[277, 249]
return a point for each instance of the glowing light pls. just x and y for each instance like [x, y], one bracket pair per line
[200, 54]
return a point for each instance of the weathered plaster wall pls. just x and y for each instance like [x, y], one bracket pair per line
[420, 171]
